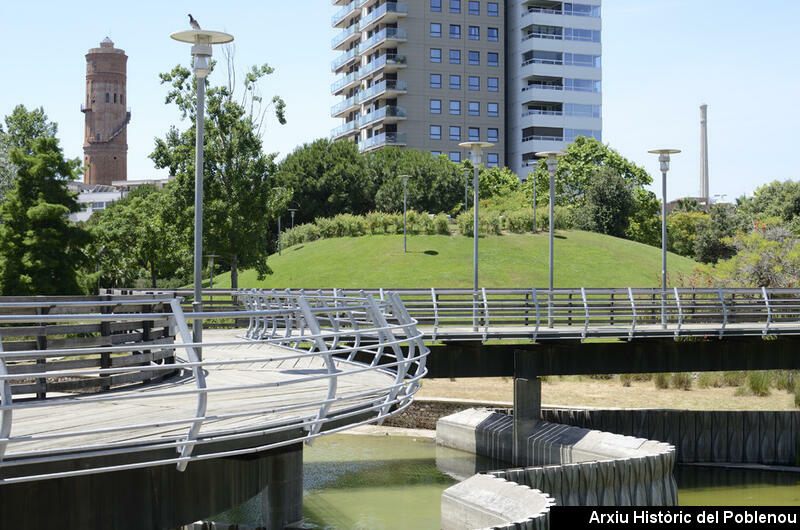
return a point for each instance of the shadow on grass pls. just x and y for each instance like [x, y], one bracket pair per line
[431, 253]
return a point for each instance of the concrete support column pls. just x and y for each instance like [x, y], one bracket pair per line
[527, 413]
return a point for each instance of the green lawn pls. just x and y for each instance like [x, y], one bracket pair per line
[514, 260]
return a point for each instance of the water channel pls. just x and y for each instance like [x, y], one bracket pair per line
[387, 482]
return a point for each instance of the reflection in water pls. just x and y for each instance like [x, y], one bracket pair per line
[386, 482]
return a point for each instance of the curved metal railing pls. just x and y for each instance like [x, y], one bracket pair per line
[307, 365]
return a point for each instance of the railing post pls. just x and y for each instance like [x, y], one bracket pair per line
[536, 305]
[724, 312]
[586, 310]
[41, 344]
[435, 312]
[680, 312]
[569, 310]
[187, 447]
[6, 399]
[769, 311]
[633, 309]
[314, 328]
[612, 309]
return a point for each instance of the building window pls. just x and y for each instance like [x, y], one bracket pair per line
[474, 134]
[474, 108]
[492, 35]
[435, 154]
[98, 137]
[455, 6]
[474, 82]
[108, 97]
[115, 97]
[436, 132]
[491, 9]
[474, 33]
[492, 84]
[455, 82]
[436, 106]
[474, 7]
[492, 110]
[455, 56]
[436, 80]
[436, 55]
[455, 156]
[455, 107]
[436, 30]
[492, 59]
[455, 31]
[474, 57]
[455, 133]
[491, 135]
[436, 6]
[492, 160]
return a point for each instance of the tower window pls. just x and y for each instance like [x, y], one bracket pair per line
[108, 97]
[115, 97]
[98, 137]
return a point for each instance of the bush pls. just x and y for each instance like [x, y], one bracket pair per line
[797, 395]
[759, 382]
[786, 380]
[441, 225]
[626, 379]
[734, 378]
[378, 223]
[519, 221]
[682, 380]
[710, 379]
[661, 380]
[488, 224]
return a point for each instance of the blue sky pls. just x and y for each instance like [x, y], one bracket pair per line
[661, 59]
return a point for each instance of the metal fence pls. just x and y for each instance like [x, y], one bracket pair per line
[581, 313]
[308, 364]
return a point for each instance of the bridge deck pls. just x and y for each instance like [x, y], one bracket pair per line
[161, 403]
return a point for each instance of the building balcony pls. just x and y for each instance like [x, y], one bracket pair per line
[345, 37]
[389, 88]
[386, 36]
[536, 138]
[344, 83]
[386, 14]
[343, 130]
[341, 16]
[85, 108]
[344, 60]
[383, 139]
[341, 109]
[388, 114]
[389, 63]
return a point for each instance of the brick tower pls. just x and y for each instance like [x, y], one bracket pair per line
[105, 144]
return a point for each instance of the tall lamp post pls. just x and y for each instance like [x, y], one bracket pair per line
[475, 155]
[663, 158]
[405, 206]
[292, 210]
[201, 41]
[533, 163]
[552, 164]
[466, 187]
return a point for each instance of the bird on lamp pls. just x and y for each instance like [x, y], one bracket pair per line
[193, 22]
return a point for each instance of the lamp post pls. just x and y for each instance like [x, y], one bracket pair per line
[405, 205]
[210, 258]
[466, 187]
[663, 158]
[201, 41]
[292, 210]
[475, 155]
[280, 189]
[533, 163]
[552, 164]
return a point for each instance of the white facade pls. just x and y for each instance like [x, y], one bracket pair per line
[553, 77]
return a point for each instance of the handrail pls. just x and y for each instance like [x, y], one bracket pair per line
[680, 312]
[769, 311]
[5, 401]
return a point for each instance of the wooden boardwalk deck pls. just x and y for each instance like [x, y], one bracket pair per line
[233, 390]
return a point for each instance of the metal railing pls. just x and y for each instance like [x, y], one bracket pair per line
[360, 360]
[579, 313]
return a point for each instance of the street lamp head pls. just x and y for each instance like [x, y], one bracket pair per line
[552, 159]
[201, 49]
[663, 157]
[476, 150]
[405, 178]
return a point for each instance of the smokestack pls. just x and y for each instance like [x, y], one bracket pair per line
[704, 152]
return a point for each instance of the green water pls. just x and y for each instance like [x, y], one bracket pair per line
[388, 482]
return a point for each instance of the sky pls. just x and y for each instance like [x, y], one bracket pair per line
[661, 60]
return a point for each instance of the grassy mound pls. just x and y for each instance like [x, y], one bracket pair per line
[513, 260]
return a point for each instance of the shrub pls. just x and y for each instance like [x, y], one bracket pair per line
[797, 395]
[786, 380]
[682, 380]
[378, 223]
[441, 225]
[626, 379]
[661, 380]
[710, 379]
[734, 378]
[519, 221]
[601, 377]
[759, 382]
[488, 224]
[641, 377]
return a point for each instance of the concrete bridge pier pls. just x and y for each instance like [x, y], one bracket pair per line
[527, 414]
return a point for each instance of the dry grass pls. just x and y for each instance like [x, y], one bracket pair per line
[575, 391]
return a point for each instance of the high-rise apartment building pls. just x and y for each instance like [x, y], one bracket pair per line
[554, 77]
[429, 74]
[422, 74]
[105, 142]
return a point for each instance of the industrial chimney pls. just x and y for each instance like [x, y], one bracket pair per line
[704, 152]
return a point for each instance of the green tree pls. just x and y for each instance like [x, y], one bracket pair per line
[765, 257]
[495, 181]
[682, 230]
[777, 199]
[608, 204]
[328, 178]
[8, 171]
[24, 126]
[712, 242]
[40, 249]
[238, 176]
[131, 240]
